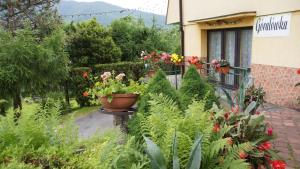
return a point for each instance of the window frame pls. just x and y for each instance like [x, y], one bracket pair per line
[223, 50]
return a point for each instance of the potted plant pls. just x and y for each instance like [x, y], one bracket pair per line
[194, 60]
[221, 66]
[115, 94]
[151, 61]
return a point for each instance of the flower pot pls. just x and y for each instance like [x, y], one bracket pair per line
[223, 69]
[119, 103]
[151, 73]
[199, 65]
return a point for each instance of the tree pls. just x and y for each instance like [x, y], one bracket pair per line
[38, 13]
[89, 43]
[28, 65]
[132, 36]
[158, 84]
[193, 87]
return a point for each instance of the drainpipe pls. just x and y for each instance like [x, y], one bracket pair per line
[181, 31]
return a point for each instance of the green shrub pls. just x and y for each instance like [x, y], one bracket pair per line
[79, 84]
[193, 87]
[133, 70]
[158, 84]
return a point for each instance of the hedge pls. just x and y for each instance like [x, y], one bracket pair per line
[133, 70]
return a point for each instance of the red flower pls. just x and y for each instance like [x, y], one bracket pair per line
[85, 94]
[235, 109]
[278, 164]
[216, 128]
[298, 71]
[257, 113]
[226, 116]
[270, 131]
[243, 155]
[85, 74]
[265, 146]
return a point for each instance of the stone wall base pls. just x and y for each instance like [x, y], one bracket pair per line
[279, 84]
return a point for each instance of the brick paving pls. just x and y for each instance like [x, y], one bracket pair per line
[286, 124]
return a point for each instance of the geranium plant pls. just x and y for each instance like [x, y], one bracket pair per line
[109, 84]
[151, 59]
[221, 66]
[195, 60]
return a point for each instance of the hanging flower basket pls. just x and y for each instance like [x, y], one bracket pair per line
[119, 102]
[194, 60]
[223, 69]
[221, 66]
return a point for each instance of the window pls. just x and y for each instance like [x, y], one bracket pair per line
[234, 45]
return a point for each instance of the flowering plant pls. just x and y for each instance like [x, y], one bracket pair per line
[298, 72]
[194, 60]
[109, 84]
[176, 59]
[244, 127]
[219, 63]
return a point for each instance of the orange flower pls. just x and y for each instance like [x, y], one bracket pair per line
[85, 94]
[229, 141]
[216, 128]
[85, 74]
[243, 155]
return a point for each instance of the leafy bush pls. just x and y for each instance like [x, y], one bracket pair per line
[133, 70]
[39, 140]
[80, 83]
[193, 87]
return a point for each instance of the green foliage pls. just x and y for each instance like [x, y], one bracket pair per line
[78, 84]
[31, 65]
[193, 87]
[133, 70]
[132, 36]
[158, 84]
[158, 161]
[165, 117]
[89, 43]
[108, 84]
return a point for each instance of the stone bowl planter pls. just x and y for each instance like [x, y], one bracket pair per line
[119, 103]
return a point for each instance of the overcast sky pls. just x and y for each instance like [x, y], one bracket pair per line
[154, 6]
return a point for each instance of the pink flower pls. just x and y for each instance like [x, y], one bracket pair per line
[214, 61]
[270, 131]
[216, 128]
[235, 109]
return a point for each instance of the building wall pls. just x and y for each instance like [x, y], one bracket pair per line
[274, 59]
[279, 51]
[203, 9]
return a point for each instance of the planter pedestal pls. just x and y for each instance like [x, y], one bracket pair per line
[120, 118]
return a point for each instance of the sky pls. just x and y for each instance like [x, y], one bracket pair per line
[154, 6]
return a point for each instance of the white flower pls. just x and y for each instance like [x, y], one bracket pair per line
[105, 76]
[120, 76]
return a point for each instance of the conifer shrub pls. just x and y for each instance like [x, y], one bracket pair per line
[194, 87]
[157, 85]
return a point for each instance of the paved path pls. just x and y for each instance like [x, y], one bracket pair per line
[286, 124]
[94, 122]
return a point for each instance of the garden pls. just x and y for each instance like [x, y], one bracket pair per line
[52, 72]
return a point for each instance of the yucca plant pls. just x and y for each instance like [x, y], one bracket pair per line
[158, 160]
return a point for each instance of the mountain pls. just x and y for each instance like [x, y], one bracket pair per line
[73, 7]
